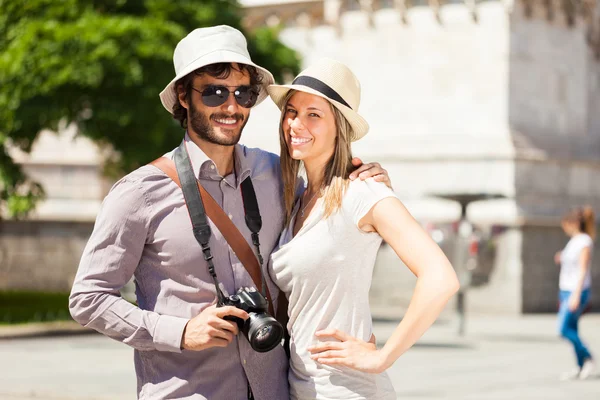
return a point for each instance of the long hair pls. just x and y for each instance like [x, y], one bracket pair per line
[337, 169]
[585, 218]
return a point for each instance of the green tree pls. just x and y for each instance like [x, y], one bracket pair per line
[100, 65]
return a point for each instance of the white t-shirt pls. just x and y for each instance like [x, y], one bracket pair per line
[325, 271]
[569, 262]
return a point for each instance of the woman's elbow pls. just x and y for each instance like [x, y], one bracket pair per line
[453, 284]
[449, 283]
[443, 283]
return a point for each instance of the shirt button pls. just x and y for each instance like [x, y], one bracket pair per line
[244, 362]
[230, 216]
[212, 166]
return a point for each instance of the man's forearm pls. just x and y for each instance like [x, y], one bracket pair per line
[109, 260]
[110, 314]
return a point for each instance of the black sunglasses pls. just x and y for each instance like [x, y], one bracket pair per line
[216, 95]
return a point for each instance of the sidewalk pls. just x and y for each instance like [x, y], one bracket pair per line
[500, 358]
[41, 329]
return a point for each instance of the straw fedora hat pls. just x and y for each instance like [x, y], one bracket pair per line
[205, 46]
[333, 81]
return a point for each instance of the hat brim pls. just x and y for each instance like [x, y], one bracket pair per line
[359, 125]
[168, 97]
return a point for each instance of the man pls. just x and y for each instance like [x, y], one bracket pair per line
[184, 348]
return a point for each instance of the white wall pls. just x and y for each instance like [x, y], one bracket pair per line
[436, 97]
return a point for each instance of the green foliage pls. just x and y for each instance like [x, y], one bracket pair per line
[21, 307]
[101, 65]
[17, 193]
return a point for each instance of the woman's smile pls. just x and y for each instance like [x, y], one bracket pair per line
[297, 141]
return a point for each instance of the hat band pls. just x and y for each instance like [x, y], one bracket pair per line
[320, 87]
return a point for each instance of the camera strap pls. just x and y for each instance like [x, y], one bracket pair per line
[254, 223]
[200, 204]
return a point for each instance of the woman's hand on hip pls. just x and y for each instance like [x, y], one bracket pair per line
[348, 351]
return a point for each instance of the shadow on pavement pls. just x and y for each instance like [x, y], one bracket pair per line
[519, 338]
[462, 346]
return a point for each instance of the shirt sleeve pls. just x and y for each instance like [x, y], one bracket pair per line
[585, 241]
[109, 260]
[362, 196]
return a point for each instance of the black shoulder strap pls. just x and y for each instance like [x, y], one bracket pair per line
[254, 222]
[253, 219]
[195, 206]
[192, 197]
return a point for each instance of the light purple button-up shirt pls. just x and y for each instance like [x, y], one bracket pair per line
[144, 230]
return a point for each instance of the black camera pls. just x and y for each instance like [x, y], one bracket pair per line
[263, 331]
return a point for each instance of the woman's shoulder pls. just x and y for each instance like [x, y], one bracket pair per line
[584, 240]
[361, 196]
[369, 188]
[579, 242]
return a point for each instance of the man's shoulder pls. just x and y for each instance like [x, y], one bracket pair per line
[142, 175]
[263, 164]
[143, 180]
[257, 155]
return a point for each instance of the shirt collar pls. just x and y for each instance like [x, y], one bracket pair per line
[205, 168]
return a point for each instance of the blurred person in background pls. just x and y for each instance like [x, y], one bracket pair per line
[575, 284]
[327, 250]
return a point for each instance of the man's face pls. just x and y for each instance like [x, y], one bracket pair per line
[222, 124]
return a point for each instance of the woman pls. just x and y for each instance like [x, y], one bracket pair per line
[575, 282]
[328, 248]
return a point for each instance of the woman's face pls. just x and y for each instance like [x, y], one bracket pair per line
[309, 128]
[570, 228]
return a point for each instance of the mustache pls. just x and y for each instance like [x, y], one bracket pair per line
[237, 117]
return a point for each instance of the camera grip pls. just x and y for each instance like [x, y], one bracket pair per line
[238, 321]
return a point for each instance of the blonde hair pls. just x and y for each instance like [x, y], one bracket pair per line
[585, 218]
[337, 169]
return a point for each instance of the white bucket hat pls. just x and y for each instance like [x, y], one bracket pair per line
[205, 46]
[333, 81]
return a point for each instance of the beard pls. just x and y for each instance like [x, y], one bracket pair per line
[200, 124]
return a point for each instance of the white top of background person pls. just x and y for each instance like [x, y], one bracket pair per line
[575, 259]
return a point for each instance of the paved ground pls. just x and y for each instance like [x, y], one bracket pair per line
[501, 358]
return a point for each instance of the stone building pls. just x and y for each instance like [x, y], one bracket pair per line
[473, 97]
[42, 252]
[484, 97]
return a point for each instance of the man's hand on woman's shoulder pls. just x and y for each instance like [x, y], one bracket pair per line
[370, 170]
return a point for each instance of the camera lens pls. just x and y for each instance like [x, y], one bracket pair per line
[264, 332]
